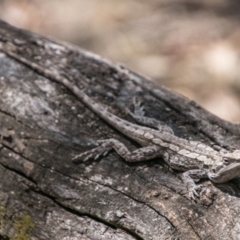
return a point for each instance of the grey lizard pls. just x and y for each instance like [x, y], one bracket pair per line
[195, 159]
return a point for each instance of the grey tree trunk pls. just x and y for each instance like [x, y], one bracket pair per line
[43, 195]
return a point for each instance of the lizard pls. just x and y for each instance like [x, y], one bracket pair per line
[195, 159]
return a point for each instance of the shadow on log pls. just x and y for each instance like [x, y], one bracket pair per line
[43, 195]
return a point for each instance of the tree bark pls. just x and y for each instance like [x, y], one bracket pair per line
[43, 195]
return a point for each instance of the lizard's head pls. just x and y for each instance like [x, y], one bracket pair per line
[224, 173]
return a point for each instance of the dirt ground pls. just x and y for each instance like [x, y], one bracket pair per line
[190, 46]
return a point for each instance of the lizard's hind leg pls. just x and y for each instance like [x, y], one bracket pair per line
[138, 116]
[141, 154]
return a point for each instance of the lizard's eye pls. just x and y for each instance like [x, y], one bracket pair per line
[226, 161]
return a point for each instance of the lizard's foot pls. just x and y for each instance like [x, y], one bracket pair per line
[200, 193]
[192, 192]
[189, 178]
[92, 154]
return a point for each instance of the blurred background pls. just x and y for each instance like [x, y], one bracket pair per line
[191, 46]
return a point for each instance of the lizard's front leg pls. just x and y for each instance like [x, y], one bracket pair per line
[141, 154]
[189, 178]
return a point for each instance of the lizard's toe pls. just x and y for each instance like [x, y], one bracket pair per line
[193, 193]
[92, 154]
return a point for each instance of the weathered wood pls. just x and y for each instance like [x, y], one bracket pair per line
[43, 195]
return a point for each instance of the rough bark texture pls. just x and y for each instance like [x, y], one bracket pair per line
[43, 195]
